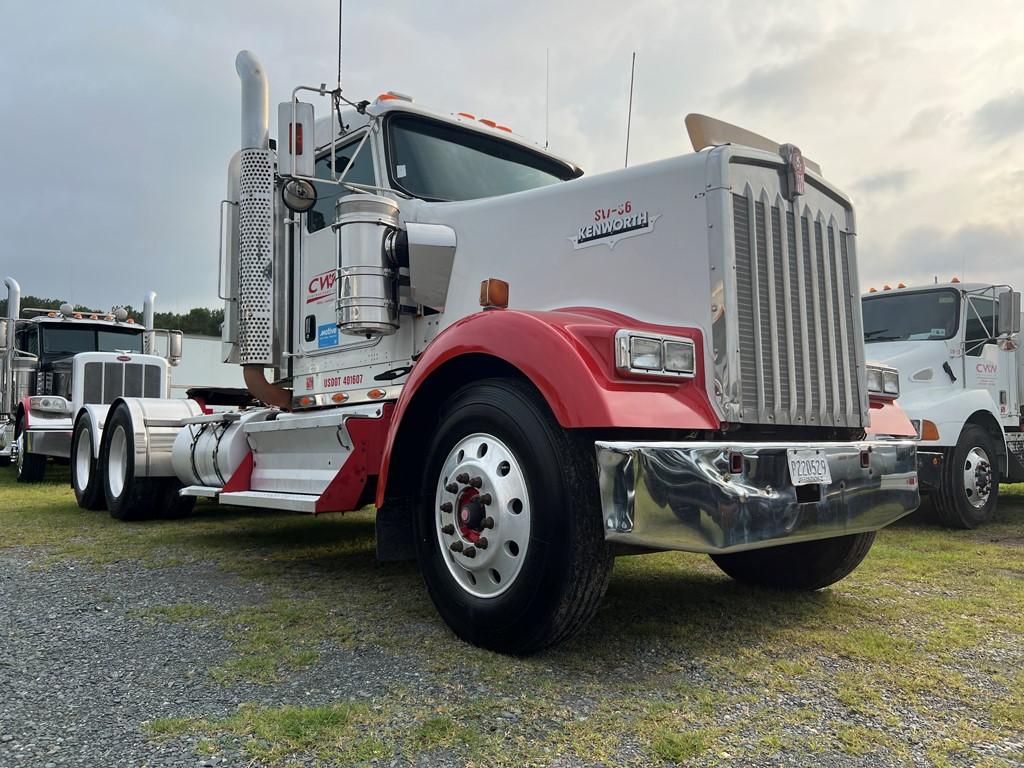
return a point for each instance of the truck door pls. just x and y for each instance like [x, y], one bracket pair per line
[986, 365]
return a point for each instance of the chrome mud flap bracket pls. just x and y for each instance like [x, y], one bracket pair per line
[728, 497]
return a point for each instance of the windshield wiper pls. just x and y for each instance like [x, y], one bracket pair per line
[868, 334]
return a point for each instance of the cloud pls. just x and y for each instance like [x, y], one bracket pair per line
[1001, 117]
[926, 122]
[974, 252]
[894, 180]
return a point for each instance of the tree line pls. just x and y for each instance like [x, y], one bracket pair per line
[198, 320]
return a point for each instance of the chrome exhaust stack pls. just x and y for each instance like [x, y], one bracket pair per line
[148, 313]
[7, 403]
[255, 288]
[253, 293]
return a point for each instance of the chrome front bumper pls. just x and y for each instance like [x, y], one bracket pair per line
[684, 496]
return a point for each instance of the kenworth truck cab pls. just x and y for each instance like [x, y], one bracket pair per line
[957, 347]
[528, 370]
[53, 362]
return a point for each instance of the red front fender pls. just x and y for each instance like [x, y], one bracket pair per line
[568, 355]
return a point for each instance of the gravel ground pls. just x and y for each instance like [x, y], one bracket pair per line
[87, 661]
[81, 669]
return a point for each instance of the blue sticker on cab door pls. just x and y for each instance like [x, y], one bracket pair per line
[327, 336]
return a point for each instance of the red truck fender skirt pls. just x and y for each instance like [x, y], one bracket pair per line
[568, 355]
[887, 418]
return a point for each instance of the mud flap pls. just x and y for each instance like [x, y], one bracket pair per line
[396, 540]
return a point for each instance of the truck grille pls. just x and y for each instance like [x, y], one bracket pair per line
[103, 382]
[798, 314]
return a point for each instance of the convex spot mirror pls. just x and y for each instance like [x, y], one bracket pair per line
[298, 195]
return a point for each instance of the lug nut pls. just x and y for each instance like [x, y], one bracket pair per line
[476, 482]
[481, 543]
[448, 529]
[488, 522]
[451, 487]
[463, 477]
[469, 552]
[484, 498]
[447, 507]
[456, 546]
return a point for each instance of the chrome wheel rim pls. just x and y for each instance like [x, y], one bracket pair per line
[482, 515]
[117, 461]
[83, 460]
[17, 453]
[977, 477]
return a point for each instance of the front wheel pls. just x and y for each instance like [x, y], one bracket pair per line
[86, 479]
[969, 484]
[509, 534]
[807, 565]
[31, 466]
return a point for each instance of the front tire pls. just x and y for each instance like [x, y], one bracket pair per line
[31, 466]
[128, 497]
[807, 565]
[86, 478]
[509, 532]
[969, 484]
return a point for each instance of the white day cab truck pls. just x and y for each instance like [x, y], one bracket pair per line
[956, 346]
[529, 371]
[55, 362]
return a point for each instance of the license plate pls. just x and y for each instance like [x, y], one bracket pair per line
[808, 466]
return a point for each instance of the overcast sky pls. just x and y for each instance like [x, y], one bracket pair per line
[120, 117]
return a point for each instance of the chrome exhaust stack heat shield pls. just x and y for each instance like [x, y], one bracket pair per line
[367, 227]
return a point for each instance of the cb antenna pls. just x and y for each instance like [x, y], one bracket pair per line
[547, 93]
[340, 2]
[629, 112]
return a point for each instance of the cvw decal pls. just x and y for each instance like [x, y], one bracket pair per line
[986, 368]
[321, 287]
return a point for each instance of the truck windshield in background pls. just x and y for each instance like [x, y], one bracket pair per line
[437, 161]
[918, 316]
[59, 340]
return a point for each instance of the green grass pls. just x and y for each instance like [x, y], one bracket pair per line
[681, 665]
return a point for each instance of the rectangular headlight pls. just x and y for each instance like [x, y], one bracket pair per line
[645, 353]
[874, 379]
[678, 357]
[891, 382]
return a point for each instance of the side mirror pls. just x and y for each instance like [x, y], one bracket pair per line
[1009, 313]
[174, 341]
[296, 139]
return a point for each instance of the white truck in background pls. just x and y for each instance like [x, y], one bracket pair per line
[957, 348]
[53, 362]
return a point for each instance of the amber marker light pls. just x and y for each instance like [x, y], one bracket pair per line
[929, 431]
[493, 293]
[376, 394]
[305, 400]
[339, 397]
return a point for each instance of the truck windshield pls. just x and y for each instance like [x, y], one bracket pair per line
[922, 315]
[65, 340]
[436, 161]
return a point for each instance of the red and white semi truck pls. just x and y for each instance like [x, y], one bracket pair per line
[528, 370]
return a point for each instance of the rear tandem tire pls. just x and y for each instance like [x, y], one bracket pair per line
[128, 497]
[86, 477]
[31, 466]
[807, 565]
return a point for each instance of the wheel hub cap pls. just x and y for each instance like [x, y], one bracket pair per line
[482, 515]
[977, 478]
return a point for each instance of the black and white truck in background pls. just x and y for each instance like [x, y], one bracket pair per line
[54, 363]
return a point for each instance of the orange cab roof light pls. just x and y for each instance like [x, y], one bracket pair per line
[465, 115]
[872, 290]
[488, 123]
[955, 279]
